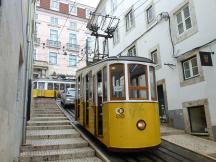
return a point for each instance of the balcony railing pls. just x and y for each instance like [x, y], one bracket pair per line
[53, 44]
[72, 47]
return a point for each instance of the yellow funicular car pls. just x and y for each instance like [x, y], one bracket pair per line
[117, 102]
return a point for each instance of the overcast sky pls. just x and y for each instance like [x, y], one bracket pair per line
[92, 3]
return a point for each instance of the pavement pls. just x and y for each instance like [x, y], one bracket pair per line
[190, 142]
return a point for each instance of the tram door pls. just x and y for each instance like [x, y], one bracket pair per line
[161, 100]
[99, 103]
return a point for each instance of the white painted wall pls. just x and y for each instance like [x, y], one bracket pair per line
[13, 50]
[159, 35]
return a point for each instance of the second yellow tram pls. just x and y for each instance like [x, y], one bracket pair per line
[117, 103]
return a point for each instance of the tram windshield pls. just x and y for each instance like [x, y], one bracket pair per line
[137, 78]
[71, 92]
[137, 85]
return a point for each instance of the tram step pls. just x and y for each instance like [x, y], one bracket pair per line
[40, 109]
[44, 106]
[53, 144]
[47, 118]
[61, 154]
[50, 127]
[47, 112]
[45, 123]
[51, 134]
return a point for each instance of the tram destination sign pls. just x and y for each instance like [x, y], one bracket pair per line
[205, 58]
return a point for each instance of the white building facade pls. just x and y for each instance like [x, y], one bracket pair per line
[60, 38]
[180, 37]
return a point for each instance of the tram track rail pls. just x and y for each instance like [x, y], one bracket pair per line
[167, 152]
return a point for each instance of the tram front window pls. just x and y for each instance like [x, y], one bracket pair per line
[62, 86]
[50, 86]
[117, 79]
[56, 86]
[41, 85]
[137, 82]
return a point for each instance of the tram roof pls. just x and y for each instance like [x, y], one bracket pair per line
[121, 58]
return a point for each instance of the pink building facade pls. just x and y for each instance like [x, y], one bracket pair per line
[60, 38]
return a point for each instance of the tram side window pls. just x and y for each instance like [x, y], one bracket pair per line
[87, 89]
[94, 90]
[62, 86]
[78, 87]
[152, 83]
[56, 86]
[72, 85]
[50, 86]
[90, 84]
[138, 89]
[67, 86]
[34, 85]
[117, 79]
[105, 84]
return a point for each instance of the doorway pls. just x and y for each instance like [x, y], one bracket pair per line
[197, 119]
[162, 103]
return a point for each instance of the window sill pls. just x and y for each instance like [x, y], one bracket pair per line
[53, 25]
[192, 80]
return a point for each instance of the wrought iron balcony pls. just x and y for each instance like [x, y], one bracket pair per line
[53, 44]
[72, 47]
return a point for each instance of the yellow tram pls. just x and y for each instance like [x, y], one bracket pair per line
[50, 87]
[117, 103]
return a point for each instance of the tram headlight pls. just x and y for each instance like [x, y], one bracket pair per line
[141, 124]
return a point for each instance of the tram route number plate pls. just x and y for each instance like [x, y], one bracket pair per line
[120, 113]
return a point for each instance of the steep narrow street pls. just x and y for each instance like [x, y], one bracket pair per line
[51, 137]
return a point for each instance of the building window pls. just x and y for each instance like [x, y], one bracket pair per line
[190, 68]
[154, 57]
[150, 14]
[36, 16]
[129, 20]
[73, 25]
[137, 80]
[72, 38]
[132, 51]
[72, 60]
[88, 13]
[73, 9]
[54, 5]
[113, 4]
[54, 21]
[53, 58]
[53, 35]
[34, 55]
[183, 18]
[116, 36]
[38, 3]
[90, 44]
